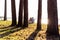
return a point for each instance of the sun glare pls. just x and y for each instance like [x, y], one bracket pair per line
[44, 21]
[32, 9]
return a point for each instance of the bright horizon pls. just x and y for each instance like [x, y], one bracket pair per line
[32, 9]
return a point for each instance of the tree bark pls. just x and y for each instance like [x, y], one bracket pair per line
[39, 15]
[13, 12]
[20, 13]
[53, 18]
[25, 13]
[5, 15]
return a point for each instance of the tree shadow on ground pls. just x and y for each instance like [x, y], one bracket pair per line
[9, 30]
[7, 27]
[33, 35]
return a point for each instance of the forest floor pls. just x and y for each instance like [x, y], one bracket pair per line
[18, 33]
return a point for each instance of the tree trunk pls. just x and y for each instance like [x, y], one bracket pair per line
[13, 12]
[20, 13]
[25, 13]
[39, 15]
[53, 18]
[5, 15]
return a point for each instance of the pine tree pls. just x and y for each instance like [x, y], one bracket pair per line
[5, 15]
[20, 13]
[25, 13]
[53, 18]
[39, 15]
[13, 12]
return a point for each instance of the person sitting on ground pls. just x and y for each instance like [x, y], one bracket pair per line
[31, 20]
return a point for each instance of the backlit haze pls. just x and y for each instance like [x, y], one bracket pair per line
[32, 9]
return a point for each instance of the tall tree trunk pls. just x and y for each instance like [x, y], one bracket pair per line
[5, 15]
[25, 13]
[20, 13]
[13, 12]
[53, 18]
[39, 15]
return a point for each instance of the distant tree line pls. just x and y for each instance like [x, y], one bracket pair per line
[52, 15]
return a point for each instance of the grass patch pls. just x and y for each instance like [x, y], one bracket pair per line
[22, 34]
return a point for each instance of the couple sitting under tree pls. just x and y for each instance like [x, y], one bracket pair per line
[31, 20]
